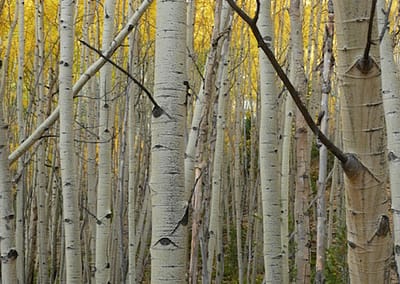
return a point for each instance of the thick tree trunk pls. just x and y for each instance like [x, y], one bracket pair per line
[169, 217]
[368, 232]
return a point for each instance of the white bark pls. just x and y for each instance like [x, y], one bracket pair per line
[20, 194]
[106, 132]
[215, 229]
[268, 151]
[41, 151]
[132, 183]
[323, 153]
[391, 105]
[68, 175]
[169, 217]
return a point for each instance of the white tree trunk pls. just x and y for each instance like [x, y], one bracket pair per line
[323, 153]
[106, 132]
[268, 149]
[169, 217]
[391, 105]
[68, 176]
[20, 194]
[214, 228]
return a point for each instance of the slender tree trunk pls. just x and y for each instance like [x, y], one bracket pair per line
[214, 228]
[20, 183]
[167, 184]
[323, 154]
[106, 132]
[301, 214]
[68, 175]
[368, 238]
[41, 151]
[391, 105]
[132, 160]
[268, 148]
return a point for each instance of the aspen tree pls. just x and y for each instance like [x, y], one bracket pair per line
[169, 215]
[368, 238]
[268, 152]
[323, 153]
[215, 229]
[21, 183]
[132, 91]
[391, 105]
[41, 171]
[302, 237]
[106, 131]
[8, 253]
[73, 264]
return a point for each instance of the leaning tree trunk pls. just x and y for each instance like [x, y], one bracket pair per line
[169, 217]
[68, 176]
[269, 162]
[368, 237]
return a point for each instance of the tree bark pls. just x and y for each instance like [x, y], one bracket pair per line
[169, 217]
[68, 174]
[368, 237]
[268, 148]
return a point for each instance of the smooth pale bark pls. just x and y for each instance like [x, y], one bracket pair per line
[106, 132]
[8, 253]
[391, 105]
[71, 214]
[268, 151]
[286, 163]
[367, 204]
[214, 228]
[238, 182]
[323, 153]
[301, 218]
[169, 216]
[41, 169]
[83, 79]
[132, 160]
[20, 183]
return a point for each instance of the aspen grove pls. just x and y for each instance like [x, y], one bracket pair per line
[195, 141]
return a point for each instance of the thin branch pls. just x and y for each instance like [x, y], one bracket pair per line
[370, 26]
[386, 24]
[289, 86]
[157, 110]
